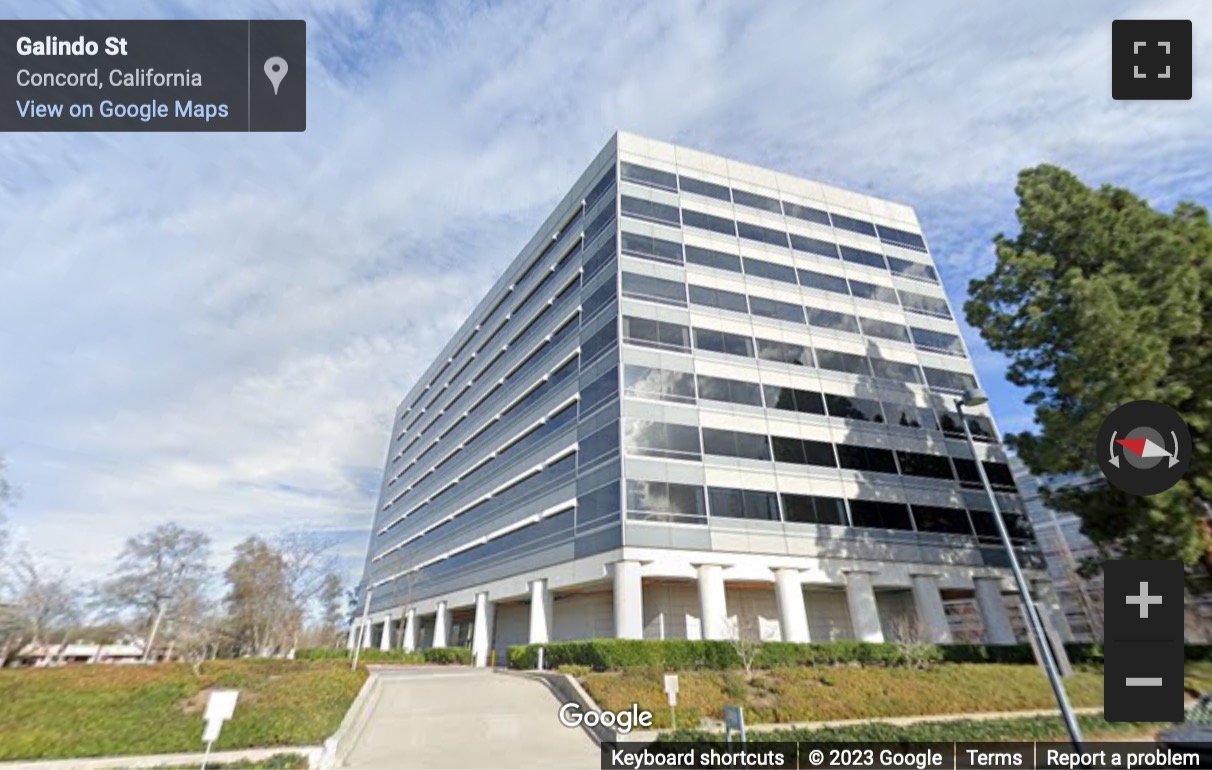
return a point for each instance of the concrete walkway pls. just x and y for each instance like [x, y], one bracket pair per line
[468, 718]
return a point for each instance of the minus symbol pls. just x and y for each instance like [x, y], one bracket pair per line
[1143, 681]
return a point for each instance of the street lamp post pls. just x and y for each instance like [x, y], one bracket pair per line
[1036, 628]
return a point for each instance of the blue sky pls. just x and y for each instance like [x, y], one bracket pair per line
[215, 328]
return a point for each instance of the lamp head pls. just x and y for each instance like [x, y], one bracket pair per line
[974, 397]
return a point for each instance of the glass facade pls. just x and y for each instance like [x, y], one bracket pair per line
[685, 351]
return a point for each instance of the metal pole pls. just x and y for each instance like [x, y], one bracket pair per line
[1035, 627]
[363, 631]
[206, 756]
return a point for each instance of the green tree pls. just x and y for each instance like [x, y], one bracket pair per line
[263, 616]
[1099, 300]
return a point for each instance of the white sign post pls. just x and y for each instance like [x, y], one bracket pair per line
[734, 719]
[219, 708]
[671, 689]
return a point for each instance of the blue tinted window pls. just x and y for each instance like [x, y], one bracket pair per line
[659, 439]
[762, 269]
[654, 289]
[723, 342]
[649, 210]
[813, 246]
[716, 259]
[763, 234]
[699, 187]
[730, 391]
[853, 225]
[661, 501]
[600, 189]
[718, 298]
[743, 504]
[655, 249]
[885, 330]
[928, 339]
[784, 352]
[742, 198]
[871, 291]
[648, 176]
[782, 311]
[806, 213]
[924, 304]
[661, 384]
[727, 443]
[708, 222]
[823, 281]
[861, 257]
[842, 362]
[831, 319]
[912, 269]
[901, 238]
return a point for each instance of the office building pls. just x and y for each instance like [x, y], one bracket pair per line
[705, 400]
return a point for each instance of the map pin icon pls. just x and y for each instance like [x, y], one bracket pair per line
[275, 70]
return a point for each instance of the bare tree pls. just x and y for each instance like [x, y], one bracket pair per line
[44, 602]
[159, 574]
[912, 640]
[332, 603]
[262, 613]
[746, 639]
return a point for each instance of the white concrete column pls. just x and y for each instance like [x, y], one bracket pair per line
[385, 639]
[628, 600]
[368, 634]
[409, 642]
[931, 615]
[481, 630]
[713, 605]
[353, 636]
[793, 615]
[864, 612]
[540, 612]
[1047, 599]
[441, 625]
[993, 611]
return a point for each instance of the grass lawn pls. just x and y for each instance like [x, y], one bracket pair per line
[87, 711]
[818, 693]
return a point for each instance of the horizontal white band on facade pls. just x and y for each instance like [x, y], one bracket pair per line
[555, 458]
[567, 505]
[472, 407]
[513, 440]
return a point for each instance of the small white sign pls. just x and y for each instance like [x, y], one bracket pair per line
[671, 688]
[734, 718]
[219, 708]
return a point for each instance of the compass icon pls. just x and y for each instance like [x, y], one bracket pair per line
[1143, 447]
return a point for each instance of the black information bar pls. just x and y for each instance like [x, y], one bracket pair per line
[763, 755]
[153, 75]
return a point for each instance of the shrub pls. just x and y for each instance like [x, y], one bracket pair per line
[446, 656]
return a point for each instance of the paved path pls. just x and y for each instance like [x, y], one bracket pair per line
[468, 718]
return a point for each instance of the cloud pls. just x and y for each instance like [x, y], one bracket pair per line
[215, 329]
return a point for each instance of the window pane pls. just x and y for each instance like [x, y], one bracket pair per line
[732, 391]
[877, 515]
[742, 198]
[862, 257]
[602, 257]
[981, 428]
[823, 281]
[784, 352]
[885, 330]
[753, 446]
[662, 384]
[660, 501]
[854, 408]
[726, 443]
[910, 416]
[831, 319]
[945, 379]
[862, 458]
[652, 248]
[912, 269]
[842, 362]
[716, 259]
[762, 269]
[602, 221]
[813, 246]
[600, 297]
[928, 339]
[599, 342]
[648, 176]
[658, 439]
[809, 509]
[654, 289]
[726, 503]
[599, 189]
[920, 464]
[763, 234]
[871, 291]
[788, 450]
[708, 222]
[760, 506]
[650, 210]
[782, 311]
[736, 345]
[599, 391]
[718, 298]
[649, 333]
[930, 518]
[673, 336]
[853, 225]
[924, 304]
[896, 370]
[806, 213]
[809, 402]
[999, 474]
[900, 237]
[699, 187]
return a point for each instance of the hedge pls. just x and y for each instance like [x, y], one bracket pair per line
[1040, 728]
[682, 655]
[440, 655]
